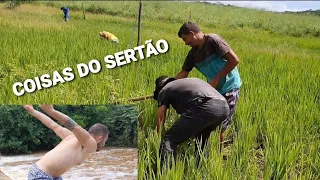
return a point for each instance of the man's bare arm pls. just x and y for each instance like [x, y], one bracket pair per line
[85, 139]
[182, 74]
[161, 117]
[48, 122]
[232, 62]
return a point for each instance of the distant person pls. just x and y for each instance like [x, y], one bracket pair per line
[108, 36]
[211, 55]
[66, 13]
[201, 109]
[74, 149]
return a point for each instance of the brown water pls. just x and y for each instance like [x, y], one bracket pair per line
[107, 164]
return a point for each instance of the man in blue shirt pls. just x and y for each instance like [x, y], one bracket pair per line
[66, 13]
[212, 56]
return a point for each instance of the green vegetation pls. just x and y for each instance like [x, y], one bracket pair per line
[212, 15]
[311, 12]
[22, 133]
[279, 65]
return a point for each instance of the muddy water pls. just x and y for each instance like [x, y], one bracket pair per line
[108, 164]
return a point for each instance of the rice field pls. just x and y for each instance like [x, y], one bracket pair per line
[279, 103]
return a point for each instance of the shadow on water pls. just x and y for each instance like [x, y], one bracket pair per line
[109, 163]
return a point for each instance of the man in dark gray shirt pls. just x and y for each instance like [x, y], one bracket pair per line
[201, 109]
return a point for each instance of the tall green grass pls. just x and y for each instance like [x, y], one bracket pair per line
[212, 15]
[279, 100]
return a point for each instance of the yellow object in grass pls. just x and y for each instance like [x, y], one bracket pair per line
[109, 36]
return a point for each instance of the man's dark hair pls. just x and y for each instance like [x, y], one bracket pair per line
[99, 129]
[187, 27]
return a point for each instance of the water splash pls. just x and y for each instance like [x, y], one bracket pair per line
[107, 164]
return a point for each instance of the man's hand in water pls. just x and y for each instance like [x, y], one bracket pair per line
[29, 108]
[46, 108]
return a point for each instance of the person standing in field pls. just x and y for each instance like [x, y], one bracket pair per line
[201, 108]
[66, 13]
[74, 149]
[213, 57]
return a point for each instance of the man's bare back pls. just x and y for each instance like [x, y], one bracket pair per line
[64, 156]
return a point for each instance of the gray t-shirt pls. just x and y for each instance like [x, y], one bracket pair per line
[181, 93]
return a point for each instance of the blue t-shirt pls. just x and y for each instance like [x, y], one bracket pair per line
[209, 61]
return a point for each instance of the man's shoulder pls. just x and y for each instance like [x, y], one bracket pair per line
[194, 79]
[213, 36]
[188, 80]
[218, 42]
[71, 141]
[70, 137]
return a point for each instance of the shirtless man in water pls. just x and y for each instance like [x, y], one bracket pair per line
[74, 148]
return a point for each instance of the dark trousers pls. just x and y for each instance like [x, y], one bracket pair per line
[198, 121]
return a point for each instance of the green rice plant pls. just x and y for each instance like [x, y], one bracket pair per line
[278, 111]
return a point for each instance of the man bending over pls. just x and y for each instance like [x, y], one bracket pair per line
[76, 144]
